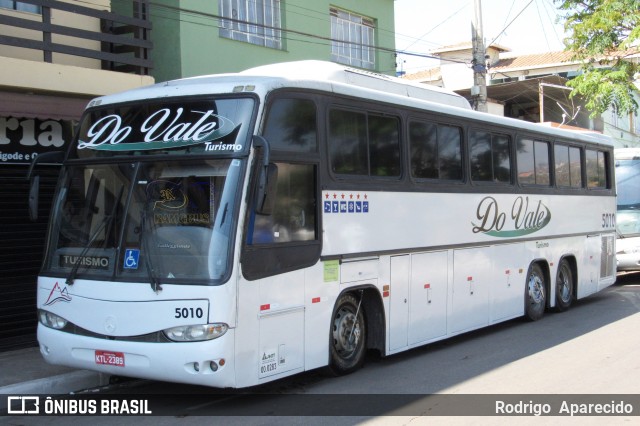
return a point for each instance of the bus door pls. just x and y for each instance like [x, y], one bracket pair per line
[280, 246]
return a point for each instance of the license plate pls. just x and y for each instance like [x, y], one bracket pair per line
[110, 358]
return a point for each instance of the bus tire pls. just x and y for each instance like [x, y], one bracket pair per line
[348, 336]
[535, 292]
[564, 286]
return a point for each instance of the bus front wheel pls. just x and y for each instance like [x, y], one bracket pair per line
[535, 293]
[348, 335]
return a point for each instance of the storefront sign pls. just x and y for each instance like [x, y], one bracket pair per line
[22, 139]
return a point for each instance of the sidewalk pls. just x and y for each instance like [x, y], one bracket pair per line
[24, 371]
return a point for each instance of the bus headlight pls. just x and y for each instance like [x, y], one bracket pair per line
[51, 320]
[196, 333]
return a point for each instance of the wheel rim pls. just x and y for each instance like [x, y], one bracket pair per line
[536, 289]
[564, 285]
[346, 332]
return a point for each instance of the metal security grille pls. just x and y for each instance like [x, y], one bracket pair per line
[352, 39]
[252, 21]
[607, 257]
[21, 249]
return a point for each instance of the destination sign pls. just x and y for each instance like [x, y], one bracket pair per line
[91, 262]
[165, 128]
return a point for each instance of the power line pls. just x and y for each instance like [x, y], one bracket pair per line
[508, 15]
[543, 32]
[546, 5]
[441, 23]
[511, 22]
[322, 40]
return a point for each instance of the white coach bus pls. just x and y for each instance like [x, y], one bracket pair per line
[231, 230]
[627, 161]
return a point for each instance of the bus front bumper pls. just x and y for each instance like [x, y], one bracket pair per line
[207, 363]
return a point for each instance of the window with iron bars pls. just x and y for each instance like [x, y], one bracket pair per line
[18, 5]
[352, 39]
[251, 21]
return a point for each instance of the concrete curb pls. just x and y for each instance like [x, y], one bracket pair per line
[61, 384]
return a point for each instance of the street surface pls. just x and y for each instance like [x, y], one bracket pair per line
[593, 348]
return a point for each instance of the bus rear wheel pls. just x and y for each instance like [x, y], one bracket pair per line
[535, 293]
[564, 286]
[348, 336]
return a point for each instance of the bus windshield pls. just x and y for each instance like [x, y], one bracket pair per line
[628, 188]
[159, 222]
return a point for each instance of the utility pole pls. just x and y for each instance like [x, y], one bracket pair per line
[479, 89]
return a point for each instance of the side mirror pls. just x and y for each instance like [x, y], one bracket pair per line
[51, 157]
[267, 180]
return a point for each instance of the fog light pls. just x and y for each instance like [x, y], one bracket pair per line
[213, 366]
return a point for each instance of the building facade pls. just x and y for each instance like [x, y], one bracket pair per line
[193, 37]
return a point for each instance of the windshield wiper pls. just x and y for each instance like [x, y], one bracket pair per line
[153, 278]
[106, 222]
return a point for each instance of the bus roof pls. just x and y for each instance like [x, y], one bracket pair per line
[333, 78]
[337, 74]
[311, 74]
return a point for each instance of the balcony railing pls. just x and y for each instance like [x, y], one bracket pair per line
[125, 44]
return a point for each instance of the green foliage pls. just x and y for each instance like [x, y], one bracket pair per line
[604, 34]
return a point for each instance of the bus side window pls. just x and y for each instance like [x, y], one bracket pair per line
[490, 157]
[291, 129]
[384, 146]
[364, 144]
[533, 162]
[291, 125]
[293, 217]
[596, 169]
[348, 142]
[286, 239]
[568, 166]
[436, 151]
[575, 165]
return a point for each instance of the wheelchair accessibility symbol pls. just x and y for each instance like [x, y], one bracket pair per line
[131, 257]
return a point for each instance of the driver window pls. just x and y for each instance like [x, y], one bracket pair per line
[293, 218]
[291, 125]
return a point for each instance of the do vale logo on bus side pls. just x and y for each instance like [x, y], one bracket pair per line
[524, 217]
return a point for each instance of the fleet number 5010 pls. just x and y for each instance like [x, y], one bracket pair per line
[608, 220]
[189, 313]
